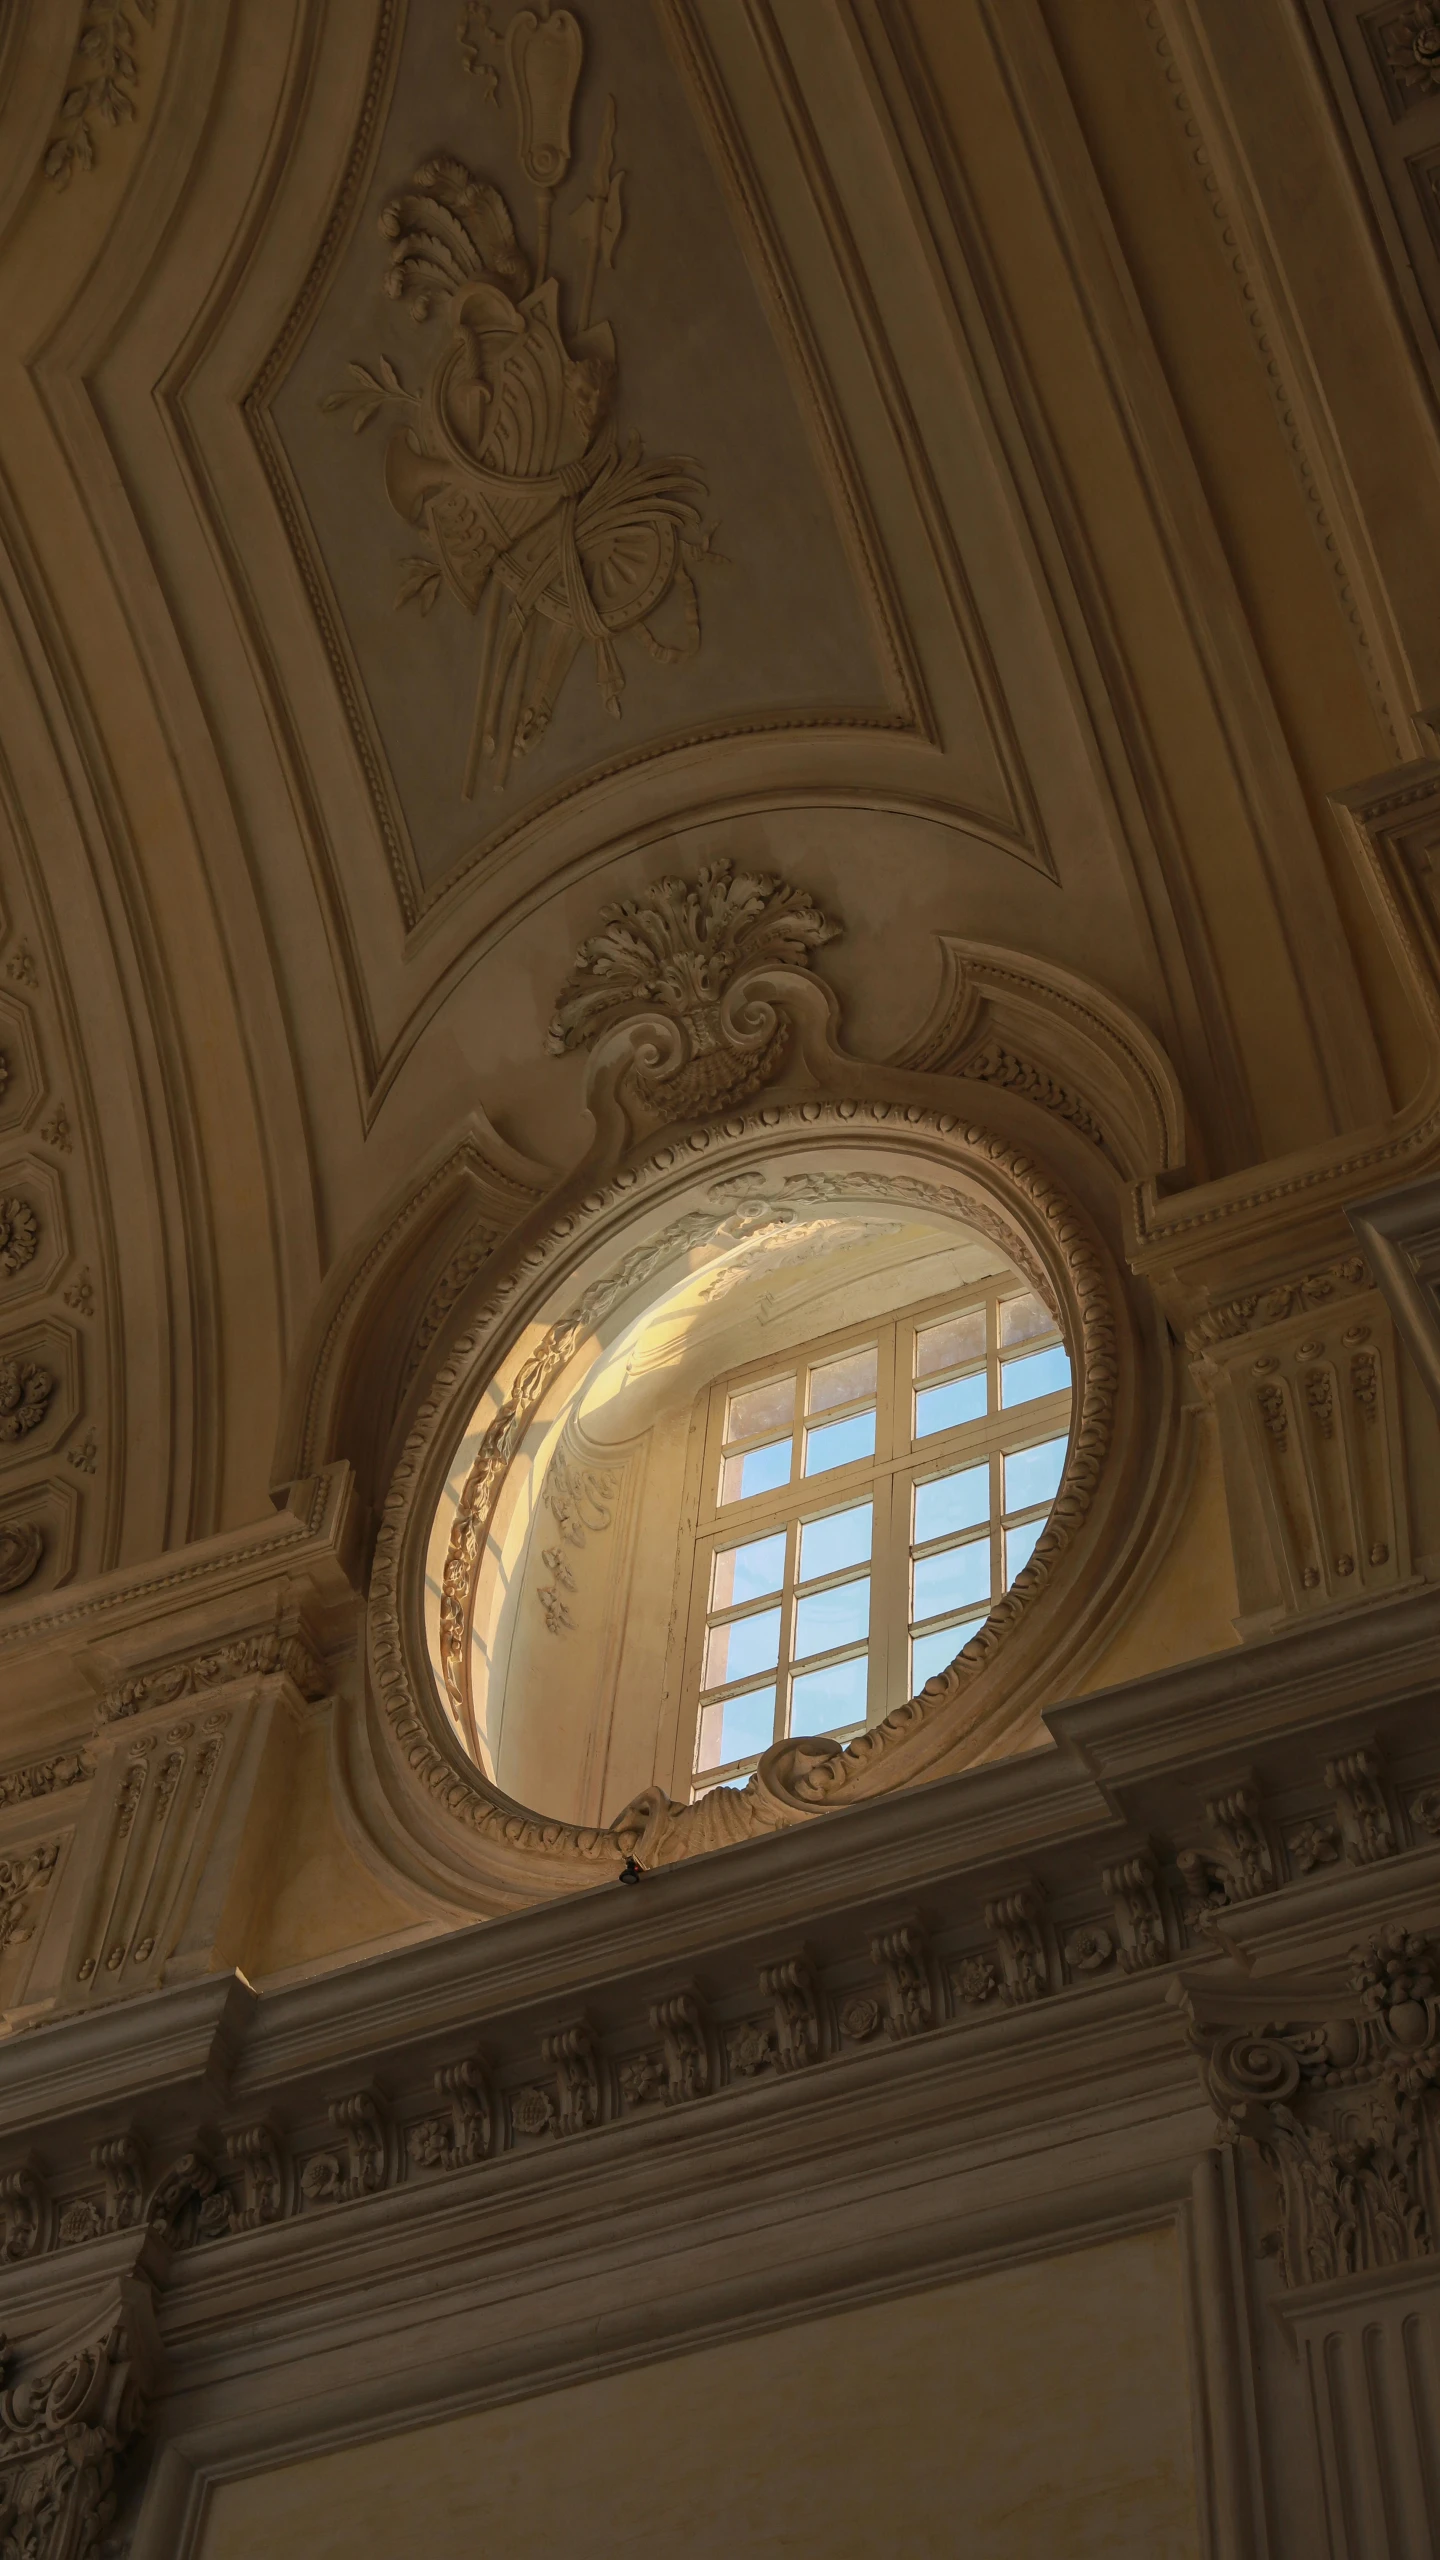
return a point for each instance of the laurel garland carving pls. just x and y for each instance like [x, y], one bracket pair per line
[45, 1777]
[797, 1777]
[993, 1063]
[257, 1656]
[100, 88]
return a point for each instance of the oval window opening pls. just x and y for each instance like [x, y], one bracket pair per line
[768, 1493]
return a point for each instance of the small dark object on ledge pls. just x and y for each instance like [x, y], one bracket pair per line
[632, 1871]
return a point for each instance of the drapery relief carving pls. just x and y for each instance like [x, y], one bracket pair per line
[1337, 2095]
[507, 458]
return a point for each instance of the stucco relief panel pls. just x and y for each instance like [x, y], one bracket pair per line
[560, 501]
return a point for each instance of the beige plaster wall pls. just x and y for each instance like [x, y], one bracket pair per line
[1036, 2409]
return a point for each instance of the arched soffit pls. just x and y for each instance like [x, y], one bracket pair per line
[717, 1083]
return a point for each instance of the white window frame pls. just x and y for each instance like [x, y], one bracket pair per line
[901, 1461]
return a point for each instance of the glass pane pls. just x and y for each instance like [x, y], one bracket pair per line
[1024, 1319]
[1020, 1545]
[949, 1344]
[748, 1572]
[831, 1618]
[758, 1471]
[940, 1408]
[736, 1729]
[828, 1545]
[955, 1579]
[764, 1408]
[745, 1646]
[842, 1381]
[839, 1444]
[1033, 1475]
[1041, 1373]
[948, 1503]
[929, 1654]
[821, 1700]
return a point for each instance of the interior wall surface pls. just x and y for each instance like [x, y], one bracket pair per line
[1041, 2401]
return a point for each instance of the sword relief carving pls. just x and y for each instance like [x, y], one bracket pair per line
[507, 459]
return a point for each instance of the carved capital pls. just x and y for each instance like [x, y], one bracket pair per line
[68, 2411]
[1336, 2091]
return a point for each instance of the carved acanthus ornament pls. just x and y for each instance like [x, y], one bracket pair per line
[64, 2428]
[1339, 2098]
[683, 952]
[507, 460]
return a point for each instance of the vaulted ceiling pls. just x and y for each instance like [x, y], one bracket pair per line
[1000, 494]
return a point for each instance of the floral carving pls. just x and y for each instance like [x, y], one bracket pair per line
[507, 461]
[1406, 46]
[677, 948]
[19, 1235]
[101, 86]
[977, 1981]
[45, 1777]
[22, 1544]
[20, 1877]
[1089, 1950]
[25, 1391]
[532, 2110]
[260, 1655]
[1306, 1295]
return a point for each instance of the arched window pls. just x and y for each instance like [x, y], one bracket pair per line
[864, 1502]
